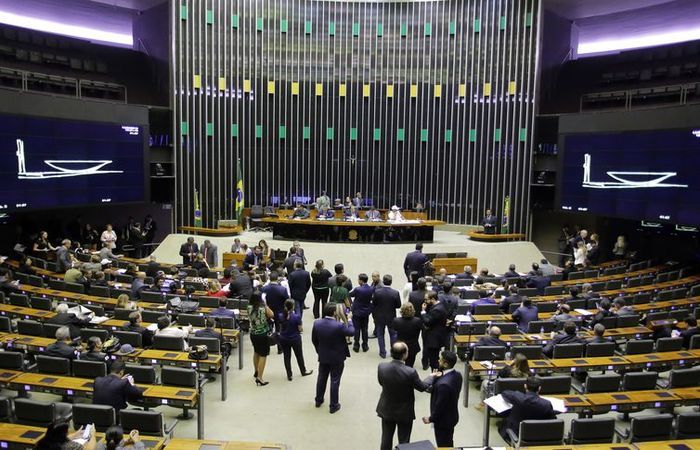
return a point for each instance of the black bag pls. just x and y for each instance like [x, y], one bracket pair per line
[272, 337]
[199, 352]
[111, 345]
[182, 306]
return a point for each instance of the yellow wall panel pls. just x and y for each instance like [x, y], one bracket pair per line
[319, 89]
[366, 90]
[247, 86]
[512, 88]
[197, 81]
[390, 90]
[462, 91]
[414, 90]
[437, 90]
[295, 88]
[271, 87]
[222, 83]
[487, 89]
[342, 90]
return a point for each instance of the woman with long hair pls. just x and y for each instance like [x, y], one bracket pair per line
[290, 339]
[319, 286]
[42, 246]
[580, 254]
[58, 438]
[519, 368]
[259, 315]
[266, 250]
[115, 440]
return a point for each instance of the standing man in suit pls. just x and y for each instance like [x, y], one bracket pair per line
[396, 403]
[361, 309]
[299, 286]
[63, 256]
[415, 262]
[210, 253]
[189, 251]
[489, 222]
[385, 302]
[444, 396]
[527, 406]
[292, 258]
[436, 332]
[328, 336]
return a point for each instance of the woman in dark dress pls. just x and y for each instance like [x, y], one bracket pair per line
[90, 237]
[319, 286]
[42, 246]
[259, 315]
[290, 339]
[408, 328]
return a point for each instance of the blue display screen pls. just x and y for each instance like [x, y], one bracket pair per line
[642, 175]
[49, 163]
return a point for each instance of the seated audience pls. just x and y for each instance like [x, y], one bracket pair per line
[25, 266]
[134, 325]
[164, 329]
[526, 313]
[533, 271]
[208, 331]
[486, 277]
[587, 291]
[519, 368]
[466, 275]
[511, 273]
[603, 311]
[538, 281]
[526, 406]
[598, 335]
[513, 298]
[690, 331]
[57, 437]
[485, 298]
[621, 308]
[568, 336]
[94, 351]
[63, 317]
[562, 314]
[493, 338]
[115, 389]
[62, 348]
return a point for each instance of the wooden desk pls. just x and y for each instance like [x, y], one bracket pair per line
[596, 363]
[182, 359]
[615, 446]
[150, 442]
[15, 436]
[632, 400]
[226, 231]
[25, 313]
[481, 236]
[233, 258]
[620, 276]
[665, 358]
[454, 265]
[462, 340]
[107, 303]
[195, 444]
[669, 445]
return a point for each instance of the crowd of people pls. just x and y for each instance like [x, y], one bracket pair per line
[580, 249]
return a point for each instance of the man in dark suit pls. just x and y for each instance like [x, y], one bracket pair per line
[511, 272]
[189, 251]
[384, 303]
[115, 389]
[526, 313]
[134, 325]
[62, 348]
[569, 336]
[254, 259]
[444, 397]
[598, 335]
[361, 310]
[397, 400]
[415, 262]
[489, 222]
[208, 331]
[210, 253]
[417, 297]
[241, 285]
[513, 298]
[152, 267]
[339, 269]
[328, 336]
[275, 295]
[690, 331]
[466, 275]
[449, 298]
[290, 260]
[436, 332]
[299, 285]
[538, 282]
[70, 320]
[64, 260]
[527, 406]
[492, 339]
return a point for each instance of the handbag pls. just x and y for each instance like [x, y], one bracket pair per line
[111, 345]
[272, 337]
[199, 352]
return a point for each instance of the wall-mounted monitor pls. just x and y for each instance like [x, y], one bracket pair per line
[51, 163]
[641, 175]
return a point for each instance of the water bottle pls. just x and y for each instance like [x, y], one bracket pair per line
[542, 331]
[469, 316]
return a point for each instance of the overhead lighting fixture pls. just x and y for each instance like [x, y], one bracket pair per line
[648, 40]
[48, 26]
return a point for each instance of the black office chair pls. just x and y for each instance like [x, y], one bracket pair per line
[592, 431]
[577, 304]
[688, 425]
[154, 297]
[529, 351]
[651, 428]
[50, 329]
[102, 416]
[57, 285]
[213, 344]
[568, 351]
[129, 337]
[695, 342]
[73, 287]
[149, 423]
[509, 384]
[181, 377]
[99, 291]
[5, 409]
[555, 385]
[190, 319]
[538, 432]
[538, 326]
[547, 307]
[141, 374]
[576, 275]
[255, 223]
[228, 323]
[609, 322]
[12, 360]
[600, 349]
[669, 344]
[89, 369]
[115, 293]
[657, 315]
[35, 280]
[53, 365]
[486, 309]
[631, 320]
[122, 313]
[122, 278]
[208, 302]
[605, 382]
[639, 346]
[30, 328]
[19, 300]
[642, 298]
[506, 327]
[554, 290]
[87, 333]
[489, 353]
[613, 285]
[151, 316]
[168, 343]
[664, 296]
[43, 303]
[99, 310]
[40, 414]
[5, 324]
[680, 378]
[477, 328]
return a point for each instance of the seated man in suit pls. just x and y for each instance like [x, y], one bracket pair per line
[254, 260]
[62, 348]
[300, 212]
[526, 313]
[325, 214]
[486, 277]
[466, 275]
[535, 268]
[621, 308]
[563, 313]
[511, 272]
[538, 282]
[489, 222]
[569, 336]
[690, 331]
[513, 298]
[350, 213]
[603, 311]
[115, 389]
[587, 291]
[485, 298]
[134, 325]
[70, 320]
[208, 331]
[527, 406]
[599, 335]
[372, 215]
[492, 339]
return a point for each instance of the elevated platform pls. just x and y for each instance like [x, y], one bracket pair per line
[480, 236]
[221, 231]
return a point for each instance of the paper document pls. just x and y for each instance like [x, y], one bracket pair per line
[462, 318]
[152, 327]
[498, 403]
[98, 319]
[583, 312]
[557, 404]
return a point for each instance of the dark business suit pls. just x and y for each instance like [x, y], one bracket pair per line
[407, 330]
[241, 286]
[152, 269]
[524, 315]
[416, 298]
[415, 262]
[436, 333]
[490, 224]
[687, 336]
[397, 400]
[328, 337]
[361, 309]
[114, 391]
[561, 338]
[211, 254]
[146, 334]
[526, 406]
[443, 406]
[252, 261]
[185, 250]
[510, 300]
[385, 302]
[71, 321]
[289, 263]
[299, 286]
[63, 259]
[490, 341]
[538, 283]
[60, 349]
[275, 296]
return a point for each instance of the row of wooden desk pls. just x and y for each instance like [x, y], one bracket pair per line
[620, 276]
[681, 444]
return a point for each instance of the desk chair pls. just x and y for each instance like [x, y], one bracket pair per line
[19, 300]
[99, 310]
[459, 282]
[613, 285]
[529, 351]
[628, 321]
[555, 385]
[680, 378]
[507, 327]
[5, 324]
[509, 384]
[477, 328]
[50, 329]
[638, 381]
[602, 382]
[642, 298]
[190, 319]
[538, 432]
[227, 323]
[12, 360]
[592, 431]
[74, 287]
[181, 377]
[537, 326]
[527, 292]
[208, 302]
[255, 223]
[87, 333]
[141, 374]
[577, 275]
[129, 337]
[213, 344]
[154, 297]
[35, 280]
[149, 423]
[486, 309]
[688, 425]
[600, 349]
[151, 316]
[547, 307]
[568, 351]
[469, 295]
[102, 416]
[577, 304]
[122, 313]
[639, 346]
[670, 344]
[99, 291]
[489, 352]
[57, 285]
[30, 327]
[679, 314]
[168, 343]
[122, 278]
[609, 322]
[554, 290]
[42, 303]
[53, 365]
[89, 369]
[650, 428]
[40, 414]
[695, 342]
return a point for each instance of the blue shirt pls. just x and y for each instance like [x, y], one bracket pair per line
[290, 328]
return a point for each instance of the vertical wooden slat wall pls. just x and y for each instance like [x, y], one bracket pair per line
[430, 101]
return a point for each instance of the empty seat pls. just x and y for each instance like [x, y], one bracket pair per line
[213, 344]
[680, 378]
[168, 343]
[506, 327]
[485, 309]
[129, 337]
[600, 349]
[475, 328]
[628, 321]
[538, 432]
[190, 319]
[149, 423]
[42, 303]
[695, 342]
[639, 346]
[87, 333]
[639, 381]
[608, 322]
[150, 316]
[669, 344]
[141, 374]
[89, 369]
[52, 364]
[555, 385]
[489, 353]
[606, 382]
[688, 425]
[547, 307]
[40, 414]
[30, 327]
[99, 291]
[642, 298]
[554, 290]
[102, 416]
[592, 431]
[613, 285]
[577, 304]
[57, 285]
[19, 300]
[11, 360]
[529, 351]
[5, 325]
[208, 302]
[74, 287]
[568, 351]
[541, 326]
[651, 428]
[509, 384]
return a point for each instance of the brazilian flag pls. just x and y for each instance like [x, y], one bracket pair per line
[240, 202]
[197, 210]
